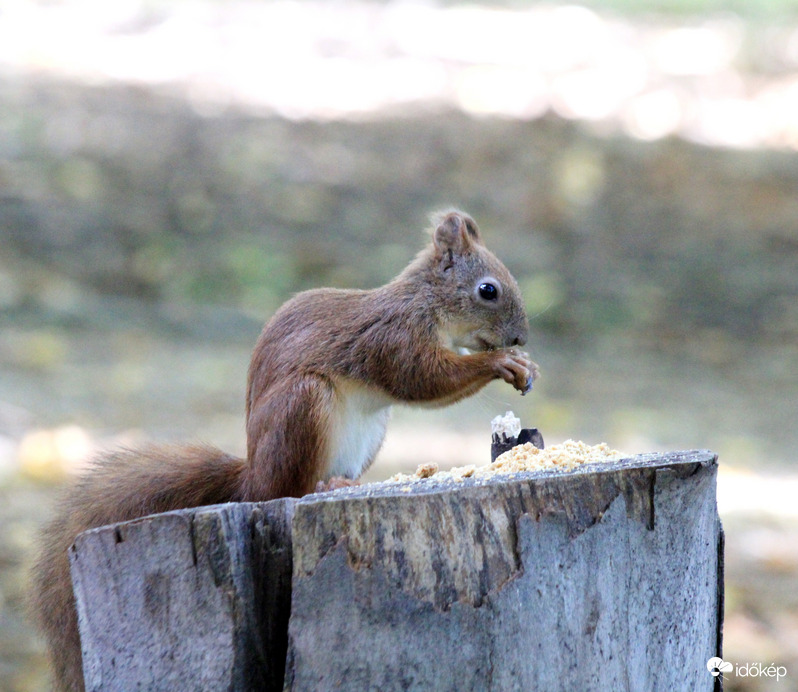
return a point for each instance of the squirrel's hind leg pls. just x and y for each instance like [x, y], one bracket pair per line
[288, 439]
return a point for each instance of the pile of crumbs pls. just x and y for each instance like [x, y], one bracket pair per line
[526, 457]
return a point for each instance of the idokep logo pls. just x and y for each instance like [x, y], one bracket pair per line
[717, 666]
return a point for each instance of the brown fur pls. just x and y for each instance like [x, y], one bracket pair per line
[387, 340]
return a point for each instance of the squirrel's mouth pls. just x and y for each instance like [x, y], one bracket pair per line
[463, 341]
[477, 344]
[484, 345]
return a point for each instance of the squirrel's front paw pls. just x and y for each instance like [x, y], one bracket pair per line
[515, 368]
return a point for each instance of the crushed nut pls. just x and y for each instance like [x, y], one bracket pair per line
[427, 470]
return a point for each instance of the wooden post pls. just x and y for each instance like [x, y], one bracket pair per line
[607, 578]
[190, 600]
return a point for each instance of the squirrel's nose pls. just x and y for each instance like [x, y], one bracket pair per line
[520, 340]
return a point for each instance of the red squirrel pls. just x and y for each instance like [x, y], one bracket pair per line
[324, 373]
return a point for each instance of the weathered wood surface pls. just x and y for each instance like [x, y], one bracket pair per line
[608, 578]
[604, 579]
[189, 600]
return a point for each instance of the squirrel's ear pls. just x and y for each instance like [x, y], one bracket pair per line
[456, 232]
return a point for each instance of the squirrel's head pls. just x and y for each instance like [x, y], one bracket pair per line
[483, 305]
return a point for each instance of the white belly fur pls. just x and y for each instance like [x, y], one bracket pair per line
[358, 428]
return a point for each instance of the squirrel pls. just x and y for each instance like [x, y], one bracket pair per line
[323, 376]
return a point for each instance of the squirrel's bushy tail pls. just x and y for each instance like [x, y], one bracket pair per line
[120, 485]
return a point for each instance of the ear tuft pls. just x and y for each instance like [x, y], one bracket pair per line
[455, 232]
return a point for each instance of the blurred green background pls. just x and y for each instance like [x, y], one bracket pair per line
[170, 172]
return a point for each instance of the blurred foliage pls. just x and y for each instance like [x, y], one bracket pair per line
[658, 240]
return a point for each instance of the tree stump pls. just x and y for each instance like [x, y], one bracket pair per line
[195, 599]
[605, 578]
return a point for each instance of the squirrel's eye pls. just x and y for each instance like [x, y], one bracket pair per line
[488, 291]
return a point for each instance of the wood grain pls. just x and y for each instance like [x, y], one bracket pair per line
[602, 579]
[188, 600]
